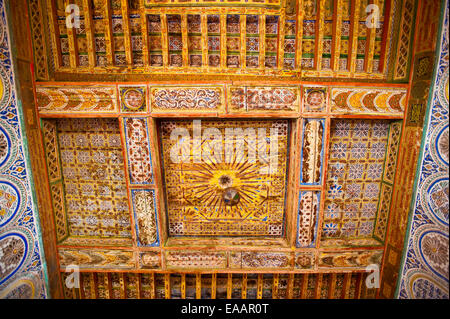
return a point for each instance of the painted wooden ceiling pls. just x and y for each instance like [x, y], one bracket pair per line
[305, 39]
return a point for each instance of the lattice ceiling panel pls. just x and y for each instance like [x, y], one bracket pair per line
[304, 39]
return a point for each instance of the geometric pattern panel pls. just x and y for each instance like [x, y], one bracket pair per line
[94, 179]
[312, 151]
[23, 271]
[138, 149]
[355, 166]
[424, 272]
[174, 285]
[230, 181]
[308, 215]
[145, 216]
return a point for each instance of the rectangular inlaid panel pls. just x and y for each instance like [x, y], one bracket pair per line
[353, 185]
[94, 178]
[225, 178]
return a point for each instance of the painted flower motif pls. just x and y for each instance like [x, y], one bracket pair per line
[337, 170]
[75, 220]
[380, 130]
[83, 157]
[351, 211]
[65, 140]
[361, 129]
[332, 211]
[348, 229]
[334, 191]
[69, 173]
[67, 156]
[372, 190]
[353, 190]
[114, 140]
[97, 140]
[99, 157]
[355, 171]
[330, 229]
[366, 228]
[11, 254]
[339, 150]
[359, 150]
[378, 150]
[80, 140]
[369, 210]
[436, 250]
[91, 220]
[342, 129]
[374, 171]
[90, 205]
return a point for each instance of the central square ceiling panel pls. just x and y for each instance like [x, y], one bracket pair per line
[225, 178]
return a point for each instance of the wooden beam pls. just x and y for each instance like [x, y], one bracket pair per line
[243, 39]
[108, 286]
[167, 292]
[123, 283]
[259, 289]
[198, 286]
[275, 286]
[89, 27]
[358, 287]
[152, 286]
[108, 34]
[204, 28]
[304, 291]
[144, 34]
[337, 34]
[229, 285]
[299, 43]
[73, 43]
[262, 43]
[213, 285]
[290, 286]
[138, 286]
[320, 21]
[281, 27]
[82, 294]
[183, 286]
[387, 25]
[223, 41]
[94, 284]
[353, 38]
[244, 286]
[55, 32]
[318, 286]
[184, 38]
[346, 287]
[370, 45]
[332, 286]
[126, 32]
[164, 39]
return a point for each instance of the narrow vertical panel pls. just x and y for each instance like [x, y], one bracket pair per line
[204, 28]
[259, 287]
[138, 286]
[108, 286]
[275, 286]
[320, 20]
[126, 31]
[82, 295]
[213, 286]
[304, 286]
[359, 283]
[144, 35]
[290, 287]
[312, 151]
[108, 33]
[223, 41]
[164, 40]
[308, 217]
[318, 286]
[387, 25]
[262, 39]
[243, 39]
[73, 45]
[54, 31]
[94, 284]
[370, 46]
[244, 286]
[198, 286]
[184, 38]
[229, 286]
[346, 288]
[152, 286]
[183, 286]
[332, 286]
[167, 292]
[299, 43]
[353, 39]
[281, 27]
[88, 24]
[123, 283]
[337, 30]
